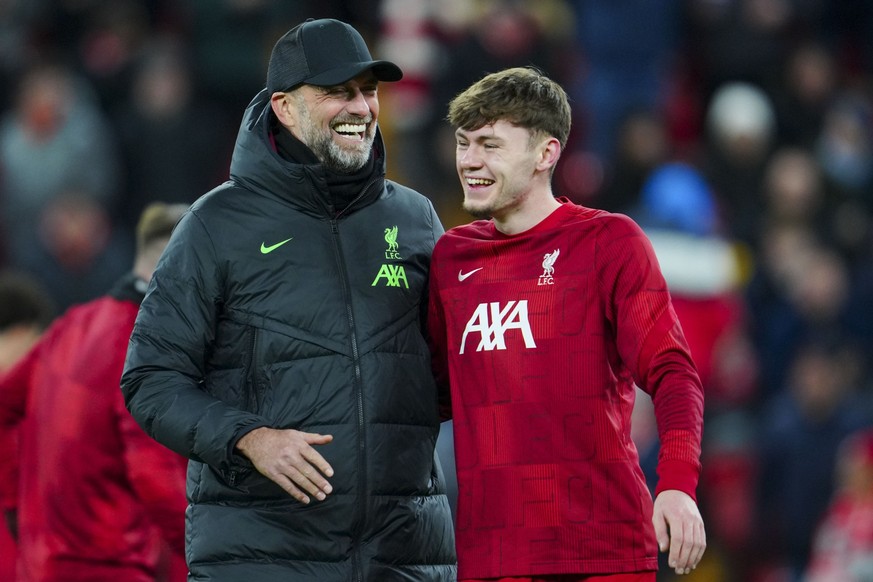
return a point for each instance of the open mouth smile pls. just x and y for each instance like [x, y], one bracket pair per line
[354, 131]
[478, 182]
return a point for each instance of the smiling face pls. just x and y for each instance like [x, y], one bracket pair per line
[499, 169]
[337, 123]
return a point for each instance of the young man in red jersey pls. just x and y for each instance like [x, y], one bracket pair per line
[96, 498]
[26, 309]
[544, 317]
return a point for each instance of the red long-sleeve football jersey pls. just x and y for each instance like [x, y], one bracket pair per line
[542, 337]
[97, 497]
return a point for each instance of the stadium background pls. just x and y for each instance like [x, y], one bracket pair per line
[737, 132]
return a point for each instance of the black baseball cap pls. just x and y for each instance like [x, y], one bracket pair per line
[323, 52]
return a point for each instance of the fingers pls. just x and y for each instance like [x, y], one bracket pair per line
[661, 533]
[312, 481]
[312, 458]
[288, 458]
[687, 544]
[679, 529]
[304, 472]
[307, 481]
[313, 438]
[699, 546]
[301, 483]
[289, 486]
[678, 557]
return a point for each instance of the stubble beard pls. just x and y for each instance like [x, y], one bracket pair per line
[333, 156]
[479, 212]
[506, 201]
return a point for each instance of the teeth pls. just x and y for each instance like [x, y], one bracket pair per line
[350, 128]
[479, 182]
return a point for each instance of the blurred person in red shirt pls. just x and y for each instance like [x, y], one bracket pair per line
[706, 271]
[800, 433]
[843, 544]
[544, 319]
[25, 311]
[97, 498]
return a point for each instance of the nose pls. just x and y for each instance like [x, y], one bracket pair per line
[358, 104]
[468, 158]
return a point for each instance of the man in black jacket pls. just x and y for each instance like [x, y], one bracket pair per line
[280, 346]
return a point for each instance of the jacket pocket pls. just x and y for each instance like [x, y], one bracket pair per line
[255, 381]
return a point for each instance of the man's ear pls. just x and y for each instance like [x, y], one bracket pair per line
[550, 151]
[282, 106]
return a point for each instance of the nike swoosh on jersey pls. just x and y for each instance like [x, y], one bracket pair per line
[269, 249]
[462, 275]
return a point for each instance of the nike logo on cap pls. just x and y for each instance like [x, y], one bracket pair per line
[462, 275]
[269, 249]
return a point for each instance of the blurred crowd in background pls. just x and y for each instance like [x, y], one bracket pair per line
[738, 133]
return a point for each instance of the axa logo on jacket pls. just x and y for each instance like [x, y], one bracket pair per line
[393, 275]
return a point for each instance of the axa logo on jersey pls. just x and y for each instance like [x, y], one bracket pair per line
[492, 321]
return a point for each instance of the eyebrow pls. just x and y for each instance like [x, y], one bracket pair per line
[462, 133]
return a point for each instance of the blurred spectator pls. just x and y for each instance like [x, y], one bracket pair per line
[642, 144]
[793, 195]
[729, 480]
[227, 36]
[412, 34]
[705, 272]
[809, 84]
[844, 147]
[628, 52]
[801, 429]
[800, 290]
[98, 499]
[17, 22]
[55, 139]
[843, 545]
[25, 311]
[113, 35]
[78, 252]
[740, 40]
[796, 197]
[174, 147]
[741, 125]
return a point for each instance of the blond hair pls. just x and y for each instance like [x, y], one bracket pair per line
[156, 223]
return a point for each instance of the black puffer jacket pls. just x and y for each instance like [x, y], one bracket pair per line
[321, 333]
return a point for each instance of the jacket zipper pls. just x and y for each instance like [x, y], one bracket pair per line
[362, 507]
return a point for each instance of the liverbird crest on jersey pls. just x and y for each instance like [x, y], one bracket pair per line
[549, 267]
[391, 239]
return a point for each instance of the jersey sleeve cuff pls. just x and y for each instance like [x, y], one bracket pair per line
[678, 475]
